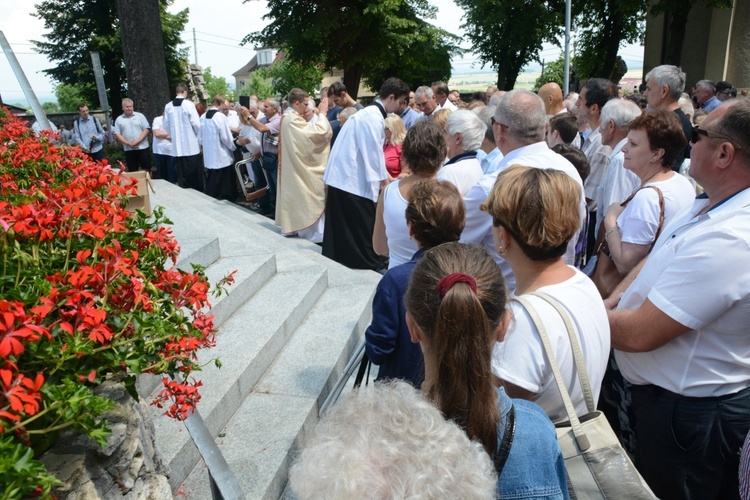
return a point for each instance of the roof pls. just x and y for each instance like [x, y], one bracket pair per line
[247, 67]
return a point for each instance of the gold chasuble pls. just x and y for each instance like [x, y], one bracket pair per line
[304, 149]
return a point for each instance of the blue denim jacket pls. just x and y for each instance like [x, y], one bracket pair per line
[535, 466]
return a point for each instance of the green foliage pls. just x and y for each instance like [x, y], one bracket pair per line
[258, 85]
[215, 85]
[286, 75]
[76, 28]
[553, 72]
[51, 107]
[603, 26]
[362, 37]
[69, 96]
[508, 34]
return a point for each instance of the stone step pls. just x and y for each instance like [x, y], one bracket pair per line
[261, 439]
[252, 273]
[246, 345]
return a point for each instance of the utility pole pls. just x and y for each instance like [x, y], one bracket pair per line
[195, 46]
[566, 86]
[39, 113]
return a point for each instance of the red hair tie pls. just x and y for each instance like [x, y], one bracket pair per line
[447, 283]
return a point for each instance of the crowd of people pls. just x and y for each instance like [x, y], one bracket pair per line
[632, 212]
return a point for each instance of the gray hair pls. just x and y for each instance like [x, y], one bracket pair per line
[388, 441]
[469, 125]
[524, 114]
[485, 114]
[707, 84]
[686, 105]
[424, 90]
[275, 103]
[127, 99]
[621, 112]
[346, 113]
[671, 76]
[495, 99]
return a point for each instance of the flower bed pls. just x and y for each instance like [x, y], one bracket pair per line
[87, 291]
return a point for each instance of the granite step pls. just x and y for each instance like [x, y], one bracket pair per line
[246, 345]
[263, 436]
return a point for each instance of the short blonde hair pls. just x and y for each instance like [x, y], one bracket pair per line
[440, 117]
[398, 131]
[538, 207]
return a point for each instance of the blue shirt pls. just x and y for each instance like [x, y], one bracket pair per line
[711, 104]
[410, 117]
[535, 466]
[387, 340]
[489, 161]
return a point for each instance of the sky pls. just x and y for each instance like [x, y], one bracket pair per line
[219, 26]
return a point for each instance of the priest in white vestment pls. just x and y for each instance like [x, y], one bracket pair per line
[304, 146]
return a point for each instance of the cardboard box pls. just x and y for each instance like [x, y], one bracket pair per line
[141, 201]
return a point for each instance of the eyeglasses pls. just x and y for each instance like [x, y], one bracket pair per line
[495, 122]
[697, 132]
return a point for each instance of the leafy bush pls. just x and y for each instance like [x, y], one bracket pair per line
[87, 292]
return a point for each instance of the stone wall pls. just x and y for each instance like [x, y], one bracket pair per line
[129, 467]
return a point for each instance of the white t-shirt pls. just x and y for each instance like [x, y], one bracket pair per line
[640, 219]
[699, 275]
[161, 146]
[520, 358]
[401, 247]
[463, 174]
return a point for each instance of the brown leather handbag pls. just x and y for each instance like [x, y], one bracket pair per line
[606, 276]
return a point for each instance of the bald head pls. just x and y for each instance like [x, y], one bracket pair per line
[551, 94]
[521, 120]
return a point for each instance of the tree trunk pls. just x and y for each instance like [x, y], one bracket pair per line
[612, 43]
[676, 37]
[352, 77]
[143, 54]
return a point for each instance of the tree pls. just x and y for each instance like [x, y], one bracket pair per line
[51, 107]
[427, 60]
[603, 26]
[286, 75]
[69, 96]
[78, 27]
[143, 53]
[215, 85]
[508, 34]
[258, 85]
[358, 36]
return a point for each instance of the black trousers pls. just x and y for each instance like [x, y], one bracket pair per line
[347, 237]
[190, 172]
[138, 159]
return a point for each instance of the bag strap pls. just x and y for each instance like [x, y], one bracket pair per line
[581, 439]
[583, 376]
[508, 435]
[661, 215]
[364, 366]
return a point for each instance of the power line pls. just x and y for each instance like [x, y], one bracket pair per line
[217, 36]
[224, 44]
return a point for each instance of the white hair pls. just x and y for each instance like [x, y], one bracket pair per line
[621, 112]
[275, 104]
[388, 441]
[486, 113]
[671, 76]
[686, 105]
[468, 124]
[524, 114]
[424, 90]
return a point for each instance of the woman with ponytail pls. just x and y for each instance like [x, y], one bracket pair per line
[456, 310]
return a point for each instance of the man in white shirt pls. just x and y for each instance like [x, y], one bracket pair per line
[182, 122]
[519, 124]
[618, 183]
[355, 170]
[131, 130]
[488, 154]
[218, 152]
[440, 89]
[680, 331]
